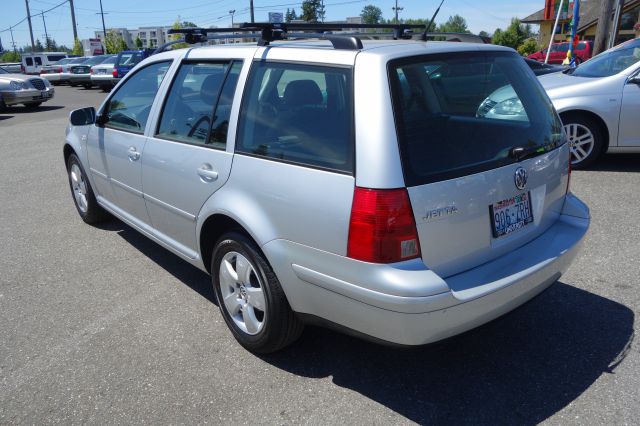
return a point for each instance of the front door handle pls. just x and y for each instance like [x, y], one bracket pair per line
[207, 174]
[134, 155]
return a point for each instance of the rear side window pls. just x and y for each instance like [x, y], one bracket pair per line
[462, 113]
[198, 107]
[130, 59]
[29, 61]
[299, 113]
[128, 109]
[54, 58]
[38, 60]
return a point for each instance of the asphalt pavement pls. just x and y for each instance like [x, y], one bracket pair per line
[100, 325]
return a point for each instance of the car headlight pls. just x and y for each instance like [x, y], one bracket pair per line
[511, 106]
[16, 85]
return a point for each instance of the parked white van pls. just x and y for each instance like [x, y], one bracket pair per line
[33, 62]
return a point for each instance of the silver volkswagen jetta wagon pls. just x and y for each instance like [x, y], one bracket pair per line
[374, 186]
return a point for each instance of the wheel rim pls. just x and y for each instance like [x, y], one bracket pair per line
[581, 142]
[242, 293]
[79, 187]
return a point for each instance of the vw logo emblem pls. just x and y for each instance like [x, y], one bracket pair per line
[520, 178]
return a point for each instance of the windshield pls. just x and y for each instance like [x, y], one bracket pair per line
[95, 60]
[78, 60]
[611, 62]
[63, 61]
[463, 113]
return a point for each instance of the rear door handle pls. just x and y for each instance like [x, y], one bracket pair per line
[207, 173]
[134, 155]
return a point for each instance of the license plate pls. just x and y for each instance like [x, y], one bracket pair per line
[102, 71]
[509, 215]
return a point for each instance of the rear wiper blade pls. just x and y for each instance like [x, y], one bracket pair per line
[521, 153]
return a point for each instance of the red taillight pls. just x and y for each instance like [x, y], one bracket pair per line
[115, 73]
[59, 70]
[90, 70]
[382, 228]
[22, 69]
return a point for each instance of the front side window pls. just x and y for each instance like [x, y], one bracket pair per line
[128, 109]
[38, 60]
[462, 113]
[198, 107]
[299, 113]
[29, 62]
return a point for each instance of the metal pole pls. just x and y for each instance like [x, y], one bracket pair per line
[603, 27]
[231, 12]
[251, 9]
[104, 29]
[12, 42]
[46, 36]
[617, 19]
[33, 46]
[73, 20]
[553, 32]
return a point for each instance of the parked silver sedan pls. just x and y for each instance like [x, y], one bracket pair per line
[599, 103]
[23, 89]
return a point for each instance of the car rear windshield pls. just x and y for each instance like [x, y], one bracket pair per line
[129, 59]
[462, 113]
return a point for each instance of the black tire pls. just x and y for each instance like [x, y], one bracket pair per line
[74, 84]
[280, 327]
[87, 85]
[105, 89]
[93, 212]
[598, 139]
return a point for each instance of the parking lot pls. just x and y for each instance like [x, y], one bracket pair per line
[101, 325]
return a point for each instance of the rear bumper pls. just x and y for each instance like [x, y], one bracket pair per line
[51, 77]
[103, 79]
[407, 303]
[79, 78]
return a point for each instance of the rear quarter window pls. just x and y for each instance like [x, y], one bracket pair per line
[300, 114]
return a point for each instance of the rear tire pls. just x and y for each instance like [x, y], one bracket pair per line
[87, 85]
[250, 297]
[586, 139]
[82, 192]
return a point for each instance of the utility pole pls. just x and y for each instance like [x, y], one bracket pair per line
[397, 9]
[231, 12]
[251, 9]
[46, 36]
[617, 20]
[13, 43]
[33, 46]
[603, 27]
[73, 19]
[104, 29]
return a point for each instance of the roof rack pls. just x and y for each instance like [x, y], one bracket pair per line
[266, 32]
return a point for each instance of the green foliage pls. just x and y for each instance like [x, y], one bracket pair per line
[188, 24]
[290, 15]
[138, 42]
[310, 9]
[528, 47]
[77, 48]
[10, 56]
[455, 24]
[515, 34]
[371, 14]
[50, 45]
[114, 42]
[484, 34]
[176, 26]
[38, 46]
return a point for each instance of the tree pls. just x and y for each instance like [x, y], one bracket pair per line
[455, 24]
[10, 56]
[528, 47]
[114, 42]
[176, 26]
[77, 48]
[50, 45]
[310, 10]
[188, 24]
[483, 34]
[287, 16]
[138, 42]
[38, 46]
[371, 14]
[514, 35]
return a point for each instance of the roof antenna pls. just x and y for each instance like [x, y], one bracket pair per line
[433, 18]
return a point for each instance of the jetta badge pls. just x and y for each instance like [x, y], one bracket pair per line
[520, 178]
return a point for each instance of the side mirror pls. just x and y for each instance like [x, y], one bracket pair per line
[634, 80]
[83, 116]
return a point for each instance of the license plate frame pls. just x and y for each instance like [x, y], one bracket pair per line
[512, 214]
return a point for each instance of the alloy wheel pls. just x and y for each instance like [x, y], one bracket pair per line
[581, 142]
[242, 293]
[79, 187]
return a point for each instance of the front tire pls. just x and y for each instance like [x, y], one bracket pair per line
[586, 140]
[250, 297]
[83, 196]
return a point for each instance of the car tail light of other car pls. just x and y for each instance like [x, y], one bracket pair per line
[115, 73]
[22, 69]
[382, 228]
[59, 69]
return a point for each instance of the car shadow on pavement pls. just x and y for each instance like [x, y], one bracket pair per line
[24, 110]
[521, 368]
[617, 163]
[5, 117]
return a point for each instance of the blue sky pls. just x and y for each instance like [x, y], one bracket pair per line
[480, 14]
